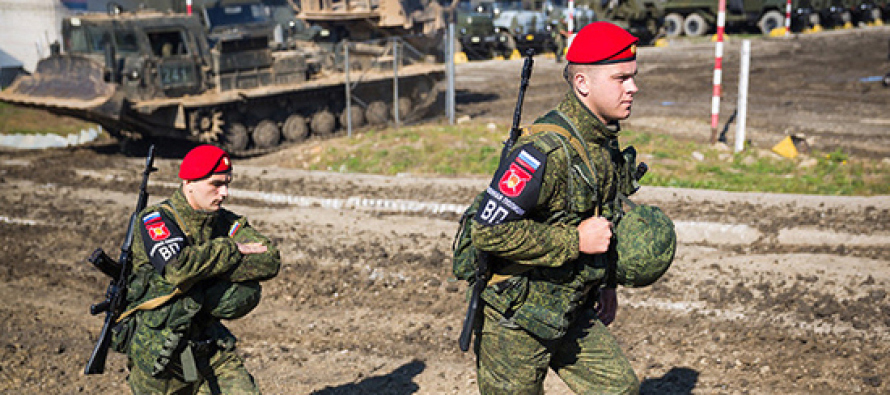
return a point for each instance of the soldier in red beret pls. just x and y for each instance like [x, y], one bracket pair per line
[546, 222]
[195, 264]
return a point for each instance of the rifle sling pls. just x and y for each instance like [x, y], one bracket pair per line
[151, 304]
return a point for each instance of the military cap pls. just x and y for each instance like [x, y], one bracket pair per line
[203, 161]
[602, 43]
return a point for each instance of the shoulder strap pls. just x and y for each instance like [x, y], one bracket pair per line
[574, 142]
[176, 218]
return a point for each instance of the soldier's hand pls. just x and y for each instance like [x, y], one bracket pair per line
[594, 235]
[251, 248]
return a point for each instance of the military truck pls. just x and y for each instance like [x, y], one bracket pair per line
[219, 79]
[479, 37]
[698, 17]
[863, 11]
[527, 29]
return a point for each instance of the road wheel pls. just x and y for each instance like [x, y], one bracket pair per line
[695, 25]
[358, 117]
[405, 106]
[673, 25]
[295, 128]
[771, 20]
[323, 123]
[266, 134]
[235, 137]
[377, 113]
[886, 81]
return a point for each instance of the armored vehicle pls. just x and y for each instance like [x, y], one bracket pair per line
[220, 79]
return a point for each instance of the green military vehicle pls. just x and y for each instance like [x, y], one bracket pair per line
[478, 36]
[862, 12]
[642, 18]
[219, 79]
[698, 17]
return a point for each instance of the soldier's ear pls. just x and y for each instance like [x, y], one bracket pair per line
[582, 83]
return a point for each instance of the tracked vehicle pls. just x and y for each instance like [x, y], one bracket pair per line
[220, 79]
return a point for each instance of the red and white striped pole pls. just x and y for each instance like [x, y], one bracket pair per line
[788, 18]
[718, 70]
[570, 24]
[188, 7]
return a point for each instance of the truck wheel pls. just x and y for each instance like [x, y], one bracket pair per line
[695, 25]
[295, 128]
[508, 44]
[814, 20]
[771, 20]
[358, 117]
[377, 113]
[846, 17]
[266, 134]
[235, 137]
[673, 25]
[323, 123]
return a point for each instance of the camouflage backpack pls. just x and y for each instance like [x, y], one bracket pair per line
[463, 263]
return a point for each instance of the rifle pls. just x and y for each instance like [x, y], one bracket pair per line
[119, 271]
[482, 271]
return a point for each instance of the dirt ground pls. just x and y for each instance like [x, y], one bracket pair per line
[782, 294]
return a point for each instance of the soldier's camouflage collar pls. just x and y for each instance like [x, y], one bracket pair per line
[589, 125]
[191, 216]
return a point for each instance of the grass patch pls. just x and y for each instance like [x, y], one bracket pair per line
[474, 149]
[23, 120]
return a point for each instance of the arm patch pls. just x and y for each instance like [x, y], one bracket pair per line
[163, 239]
[515, 187]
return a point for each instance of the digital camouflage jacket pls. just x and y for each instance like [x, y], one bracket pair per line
[554, 280]
[200, 259]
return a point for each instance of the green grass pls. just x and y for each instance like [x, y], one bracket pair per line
[21, 120]
[473, 149]
[429, 149]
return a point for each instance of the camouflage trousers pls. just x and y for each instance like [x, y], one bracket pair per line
[222, 373]
[510, 360]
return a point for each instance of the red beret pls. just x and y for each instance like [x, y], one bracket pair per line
[602, 43]
[203, 161]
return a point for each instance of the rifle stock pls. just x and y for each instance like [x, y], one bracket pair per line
[116, 293]
[482, 269]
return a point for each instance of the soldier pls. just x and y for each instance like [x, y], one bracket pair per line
[545, 221]
[195, 264]
[560, 34]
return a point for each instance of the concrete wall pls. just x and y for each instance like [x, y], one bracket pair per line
[28, 27]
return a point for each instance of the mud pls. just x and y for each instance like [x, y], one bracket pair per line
[768, 293]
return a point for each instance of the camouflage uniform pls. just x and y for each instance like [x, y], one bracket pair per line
[543, 317]
[217, 281]
[559, 40]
